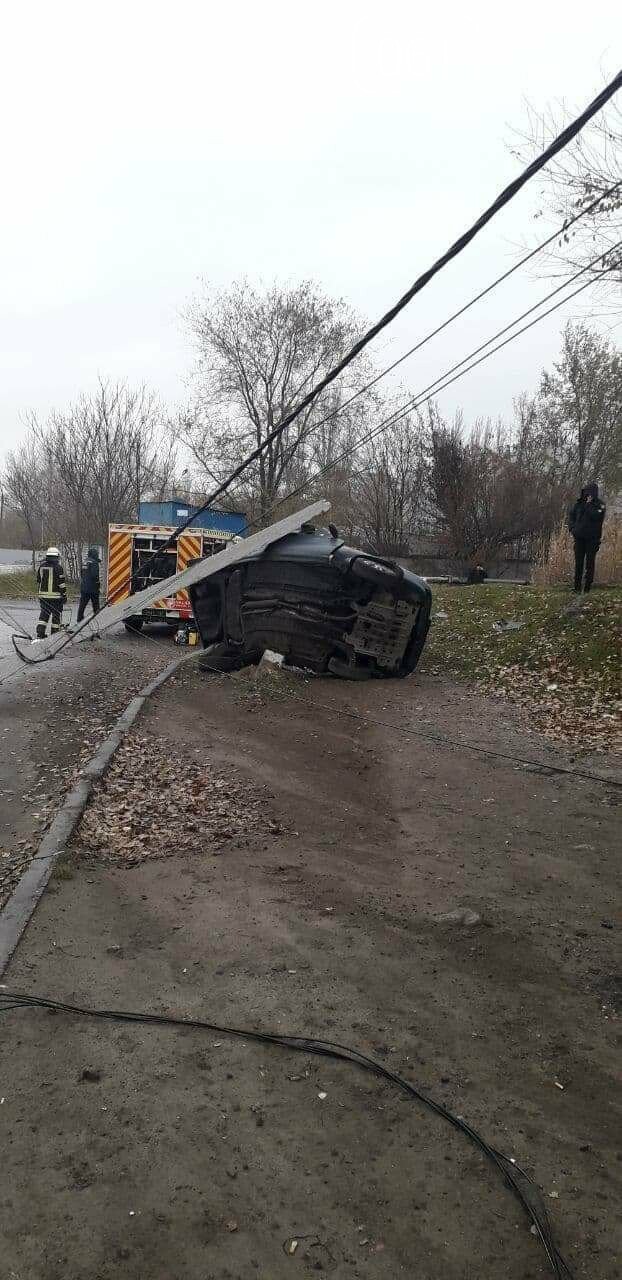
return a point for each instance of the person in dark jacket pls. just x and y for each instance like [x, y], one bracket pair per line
[89, 584]
[476, 575]
[52, 592]
[585, 521]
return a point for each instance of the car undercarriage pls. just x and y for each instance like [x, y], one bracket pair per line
[323, 605]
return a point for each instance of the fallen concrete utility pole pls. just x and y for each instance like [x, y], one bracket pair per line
[133, 604]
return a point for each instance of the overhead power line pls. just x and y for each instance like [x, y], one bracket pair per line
[433, 333]
[454, 250]
[504, 198]
[483, 293]
[415, 402]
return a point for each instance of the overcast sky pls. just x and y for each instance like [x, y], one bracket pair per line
[147, 145]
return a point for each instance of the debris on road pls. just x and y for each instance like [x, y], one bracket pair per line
[503, 625]
[558, 664]
[79, 712]
[463, 915]
[157, 802]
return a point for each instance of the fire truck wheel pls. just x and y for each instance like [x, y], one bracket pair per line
[133, 624]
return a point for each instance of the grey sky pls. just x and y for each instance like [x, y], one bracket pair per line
[146, 145]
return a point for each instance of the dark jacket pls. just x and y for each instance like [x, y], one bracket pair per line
[51, 579]
[89, 581]
[585, 518]
[476, 575]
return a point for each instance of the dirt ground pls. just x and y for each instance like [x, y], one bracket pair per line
[190, 1156]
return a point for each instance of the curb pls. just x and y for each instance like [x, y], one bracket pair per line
[28, 891]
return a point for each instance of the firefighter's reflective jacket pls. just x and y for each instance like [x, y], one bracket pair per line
[51, 580]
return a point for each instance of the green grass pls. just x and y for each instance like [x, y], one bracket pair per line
[23, 586]
[13, 586]
[564, 664]
[586, 641]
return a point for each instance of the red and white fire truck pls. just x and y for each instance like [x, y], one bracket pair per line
[132, 564]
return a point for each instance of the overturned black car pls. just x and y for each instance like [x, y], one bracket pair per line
[321, 604]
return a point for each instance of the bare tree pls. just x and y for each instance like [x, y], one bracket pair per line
[66, 447]
[580, 411]
[259, 352]
[23, 481]
[389, 488]
[13, 529]
[589, 167]
[133, 454]
[485, 496]
[88, 466]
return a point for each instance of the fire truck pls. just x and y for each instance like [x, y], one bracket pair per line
[133, 566]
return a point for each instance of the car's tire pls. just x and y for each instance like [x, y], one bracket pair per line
[373, 569]
[348, 671]
[224, 657]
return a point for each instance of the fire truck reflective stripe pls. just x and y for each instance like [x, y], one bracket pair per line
[118, 591]
[118, 561]
[118, 556]
[119, 543]
[119, 566]
[188, 548]
[223, 535]
[120, 573]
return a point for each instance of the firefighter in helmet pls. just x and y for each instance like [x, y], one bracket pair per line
[52, 592]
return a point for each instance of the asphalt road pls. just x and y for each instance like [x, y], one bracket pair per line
[25, 614]
[16, 615]
[52, 719]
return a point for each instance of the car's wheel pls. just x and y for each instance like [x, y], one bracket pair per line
[223, 657]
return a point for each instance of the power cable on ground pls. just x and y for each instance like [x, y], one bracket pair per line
[523, 1188]
[367, 720]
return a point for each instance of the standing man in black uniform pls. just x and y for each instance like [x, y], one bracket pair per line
[585, 521]
[52, 592]
[89, 584]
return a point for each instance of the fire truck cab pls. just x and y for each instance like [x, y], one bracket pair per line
[132, 564]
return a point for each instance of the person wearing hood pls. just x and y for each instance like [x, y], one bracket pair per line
[52, 590]
[585, 521]
[89, 584]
